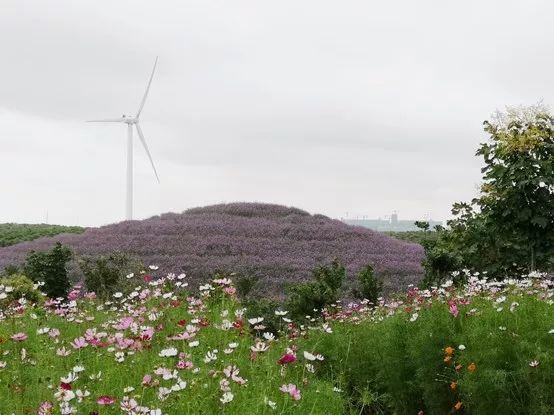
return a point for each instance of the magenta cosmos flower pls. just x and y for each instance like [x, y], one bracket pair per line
[286, 358]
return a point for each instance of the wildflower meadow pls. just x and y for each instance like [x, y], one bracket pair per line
[163, 348]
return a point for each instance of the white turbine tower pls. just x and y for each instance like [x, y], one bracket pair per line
[134, 121]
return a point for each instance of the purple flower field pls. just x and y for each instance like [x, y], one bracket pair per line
[276, 243]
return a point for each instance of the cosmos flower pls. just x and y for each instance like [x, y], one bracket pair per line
[287, 358]
[292, 390]
[169, 352]
[19, 337]
[105, 400]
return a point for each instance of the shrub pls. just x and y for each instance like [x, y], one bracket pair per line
[245, 284]
[399, 365]
[106, 274]
[309, 298]
[50, 267]
[20, 287]
[263, 307]
[370, 286]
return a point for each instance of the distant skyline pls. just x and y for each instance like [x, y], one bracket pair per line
[354, 106]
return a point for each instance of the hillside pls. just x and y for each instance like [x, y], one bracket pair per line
[277, 243]
[13, 233]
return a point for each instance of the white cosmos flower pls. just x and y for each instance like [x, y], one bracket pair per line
[71, 377]
[269, 336]
[227, 397]
[309, 356]
[194, 343]
[210, 356]
[169, 352]
[255, 320]
[259, 347]
[118, 295]
[180, 385]
[326, 328]
[271, 404]
[129, 276]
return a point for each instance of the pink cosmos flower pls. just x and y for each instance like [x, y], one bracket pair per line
[230, 290]
[79, 343]
[105, 400]
[292, 390]
[45, 408]
[453, 308]
[147, 380]
[181, 364]
[19, 337]
[54, 333]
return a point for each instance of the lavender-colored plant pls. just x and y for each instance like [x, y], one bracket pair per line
[278, 244]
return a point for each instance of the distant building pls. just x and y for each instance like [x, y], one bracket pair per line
[389, 224]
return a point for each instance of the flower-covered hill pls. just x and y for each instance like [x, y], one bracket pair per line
[276, 243]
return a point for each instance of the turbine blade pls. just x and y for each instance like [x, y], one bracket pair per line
[147, 88]
[143, 141]
[108, 120]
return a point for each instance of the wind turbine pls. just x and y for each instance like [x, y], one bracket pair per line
[134, 121]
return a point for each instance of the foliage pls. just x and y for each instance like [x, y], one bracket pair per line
[419, 356]
[245, 284]
[49, 267]
[13, 233]
[106, 274]
[370, 287]
[305, 299]
[20, 287]
[480, 349]
[509, 228]
[265, 308]
[277, 244]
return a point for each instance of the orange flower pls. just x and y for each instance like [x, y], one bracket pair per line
[449, 351]
[458, 406]
[472, 367]
[447, 359]
[453, 385]
[458, 367]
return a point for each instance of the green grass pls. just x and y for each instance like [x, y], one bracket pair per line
[13, 233]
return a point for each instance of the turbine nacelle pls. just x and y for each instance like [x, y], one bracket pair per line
[129, 119]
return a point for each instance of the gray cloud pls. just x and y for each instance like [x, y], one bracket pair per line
[331, 106]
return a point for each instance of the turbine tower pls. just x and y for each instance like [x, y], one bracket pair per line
[134, 121]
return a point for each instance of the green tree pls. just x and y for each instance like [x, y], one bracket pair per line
[509, 228]
[517, 195]
[50, 268]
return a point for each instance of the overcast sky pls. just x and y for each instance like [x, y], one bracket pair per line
[332, 106]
